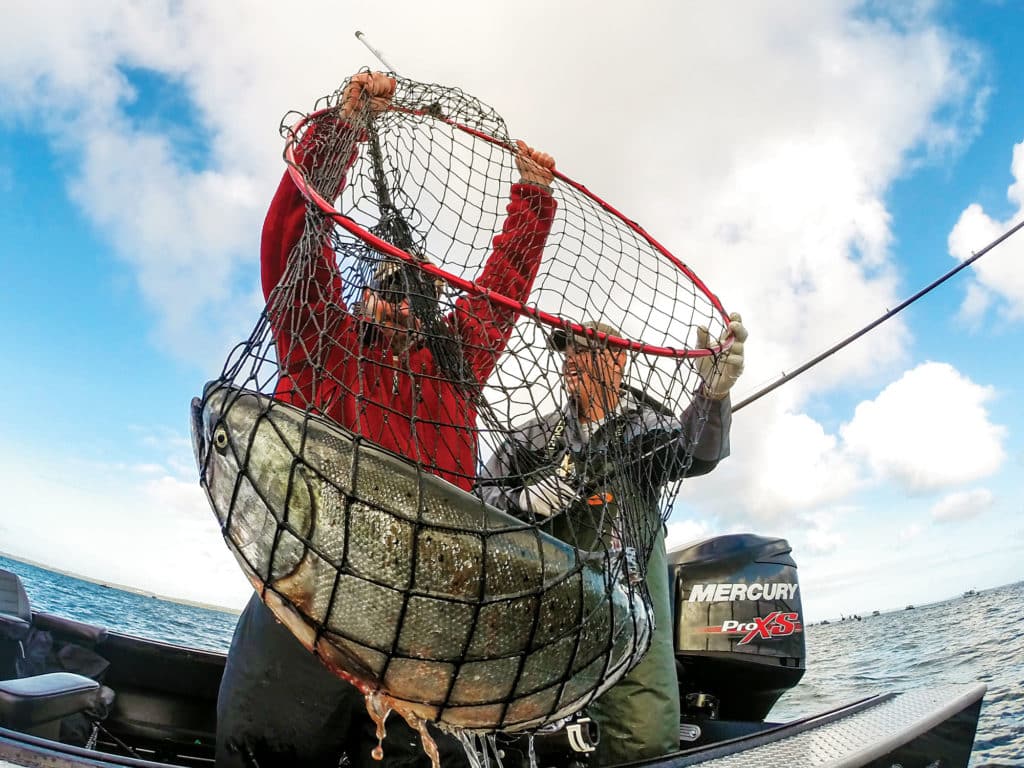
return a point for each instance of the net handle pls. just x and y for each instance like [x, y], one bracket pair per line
[468, 286]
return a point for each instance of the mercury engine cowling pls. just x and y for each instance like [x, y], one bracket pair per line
[738, 625]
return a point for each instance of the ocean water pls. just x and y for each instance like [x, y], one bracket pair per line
[127, 612]
[960, 640]
[964, 639]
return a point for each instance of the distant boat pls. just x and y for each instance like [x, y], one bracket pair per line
[909, 608]
[874, 613]
[970, 593]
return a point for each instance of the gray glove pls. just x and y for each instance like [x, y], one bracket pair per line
[719, 375]
[546, 496]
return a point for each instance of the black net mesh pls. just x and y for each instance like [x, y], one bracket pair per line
[446, 472]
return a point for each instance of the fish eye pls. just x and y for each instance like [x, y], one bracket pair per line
[220, 439]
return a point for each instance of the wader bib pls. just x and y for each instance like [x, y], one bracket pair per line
[639, 716]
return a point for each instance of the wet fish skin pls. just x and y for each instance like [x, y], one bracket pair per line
[449, 606]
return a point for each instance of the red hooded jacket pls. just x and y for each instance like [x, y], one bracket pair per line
[403, 403]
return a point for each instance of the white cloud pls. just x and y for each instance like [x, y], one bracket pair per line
[686, 531]
[187, 235]
[816, 100]
[976, 303]
[963, 505]
[928, 430]
[909, 533]
[999, 275]
[783, 463]
[820, 537]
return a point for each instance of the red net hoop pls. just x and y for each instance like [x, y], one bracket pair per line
[676, 350]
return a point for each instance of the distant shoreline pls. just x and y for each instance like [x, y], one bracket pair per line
[122, 587]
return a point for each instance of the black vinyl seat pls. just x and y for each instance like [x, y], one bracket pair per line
[36, 703]
[15, 622]
[14, 606]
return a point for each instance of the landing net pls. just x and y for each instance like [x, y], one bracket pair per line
[413, 493]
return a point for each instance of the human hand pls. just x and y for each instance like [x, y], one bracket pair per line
[546, 496]
[390, 315]
[721, 372]
[535, 166]
[374, 87]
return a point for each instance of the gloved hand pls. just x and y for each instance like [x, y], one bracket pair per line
[546, 496]
[719, 375]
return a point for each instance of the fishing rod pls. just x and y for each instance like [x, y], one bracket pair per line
[392, 221]
[395, 228]
[380, 56]
[891, 313]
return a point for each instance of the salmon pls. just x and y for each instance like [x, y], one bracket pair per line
[405, 585]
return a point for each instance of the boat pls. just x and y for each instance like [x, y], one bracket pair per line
[971, 593]
[739, 647]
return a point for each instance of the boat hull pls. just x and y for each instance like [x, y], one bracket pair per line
[167, 699]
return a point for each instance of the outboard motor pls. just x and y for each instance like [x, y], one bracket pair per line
[738, 627]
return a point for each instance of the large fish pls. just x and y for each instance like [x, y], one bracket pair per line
[404, 584]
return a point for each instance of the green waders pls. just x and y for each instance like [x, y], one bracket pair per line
[639, 715]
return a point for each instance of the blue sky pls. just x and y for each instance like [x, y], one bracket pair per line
[815, 165]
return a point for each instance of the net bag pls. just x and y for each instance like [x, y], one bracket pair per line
[446, 451]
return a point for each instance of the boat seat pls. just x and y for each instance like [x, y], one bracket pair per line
[69, 630]
[15, 622]
[15, 613]
[30, 702]
[37, 703]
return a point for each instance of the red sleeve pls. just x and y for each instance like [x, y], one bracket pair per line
[510, 270]
[297, 304]
[286, 218]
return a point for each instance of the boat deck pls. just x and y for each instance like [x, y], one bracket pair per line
[910, 728]
[853, 736]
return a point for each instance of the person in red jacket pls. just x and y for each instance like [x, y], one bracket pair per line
[387, 385]
[373, 367]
